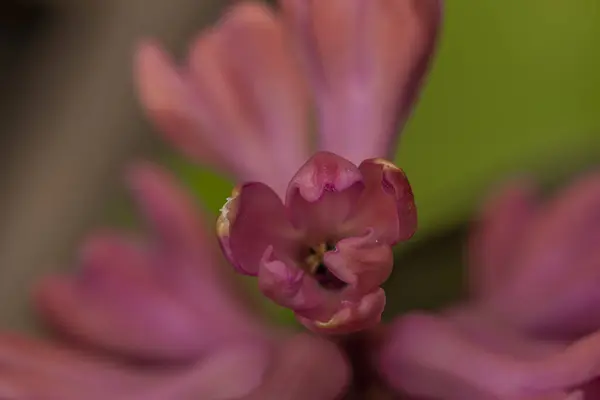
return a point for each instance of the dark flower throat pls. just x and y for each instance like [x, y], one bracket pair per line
[316, 267]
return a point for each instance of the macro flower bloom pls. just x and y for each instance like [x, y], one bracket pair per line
[530, 330]
[316, 230]
[157, 320]
[324, 253]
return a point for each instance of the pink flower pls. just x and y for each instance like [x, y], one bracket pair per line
[531, 328]
[157, 320]
[239, 106]
[324, 253]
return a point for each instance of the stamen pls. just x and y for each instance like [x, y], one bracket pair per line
[316, 267]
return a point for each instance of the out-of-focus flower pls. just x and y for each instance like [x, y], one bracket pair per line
[324, 253]
[531, 329]
[160, 322]
[299, 368]
[161, 298]
[33, 369]
[239, 104]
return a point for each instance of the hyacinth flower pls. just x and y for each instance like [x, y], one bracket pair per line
[155, 319]
[315, 228]
[530, 329]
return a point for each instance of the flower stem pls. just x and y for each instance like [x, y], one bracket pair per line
[366, 383]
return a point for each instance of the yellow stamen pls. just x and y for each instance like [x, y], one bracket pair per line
[315, 259]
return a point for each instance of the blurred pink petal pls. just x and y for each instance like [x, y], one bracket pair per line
[324, 253]
[365, 61]
[239, 104]
[532, 331]
[305, 367]
[499, 232]
[165, 299]
[554, 285]
[440, 358]
[37, 370]
[300, 367]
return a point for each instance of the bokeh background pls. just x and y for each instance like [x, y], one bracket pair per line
[515, 89]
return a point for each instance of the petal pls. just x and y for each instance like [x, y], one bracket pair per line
[387, 205]
[291, 287]
[499, 233]
[352, 316]
[431, 357]
[169, 100]
[361, 262]
[199, 110]
[182, 254]
[554, 288]
[268, 85]
[323, 195]
[116, 304]
[305, 367]
[225, 125]
[34, 370]
[251, 221]
[169, 210]
[365, 61]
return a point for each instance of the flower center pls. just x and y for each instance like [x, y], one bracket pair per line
[317, 268]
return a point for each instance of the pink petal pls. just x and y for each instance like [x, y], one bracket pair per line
[33, 369]
[387, 205]
[499, 234]
[118, 306]
[361, 262]
[554, 288]
[291, 287]
[182, 253]
[365, 61]
[353, 315]
[253, 220]
[305, 367]
[240, 106]
[169, 211]
[319, 309]
[323, 195]
[268, 85]
[169, 100]
[183, 256]
[431, 357]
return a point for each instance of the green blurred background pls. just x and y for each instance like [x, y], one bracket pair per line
[514, 89]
